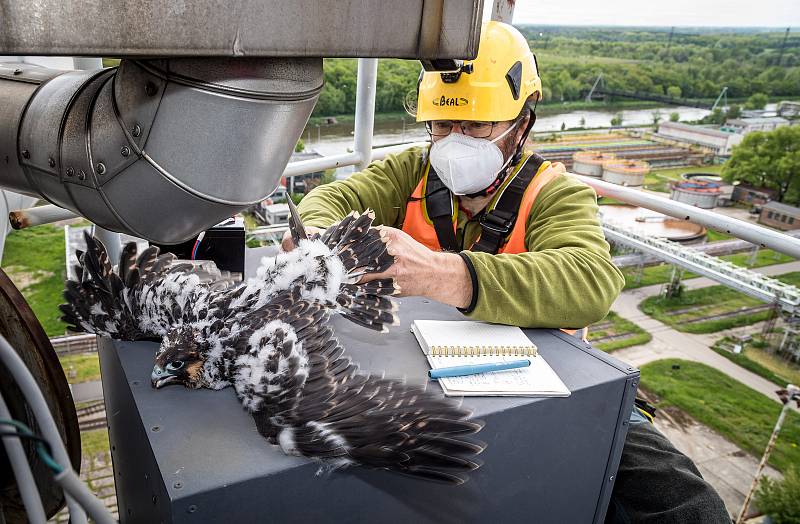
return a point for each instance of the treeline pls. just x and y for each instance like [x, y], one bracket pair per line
[690, 65]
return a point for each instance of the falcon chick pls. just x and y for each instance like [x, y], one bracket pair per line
[270, 339]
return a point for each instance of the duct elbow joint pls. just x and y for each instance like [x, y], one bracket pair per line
[160, 149]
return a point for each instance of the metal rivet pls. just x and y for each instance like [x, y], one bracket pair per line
[101, 168]
[135, 383]
[611, 478]
[82, 175]
[18, 71]
[154, 499]
[192, 508]
[125, 151]
[51, 162]
[150, 88]
[178, 485]
[155, 429]
[70, 171]
[26, 153]
[136, 131]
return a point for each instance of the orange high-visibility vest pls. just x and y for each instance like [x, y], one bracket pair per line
[420, 227]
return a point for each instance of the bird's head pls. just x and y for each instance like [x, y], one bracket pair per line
[180, 359]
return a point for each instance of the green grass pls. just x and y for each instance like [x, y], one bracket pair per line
[703, 302]
[760, 362]
[619, 326]
[660, 179]
[85, 365]
[709, 301]
[34, 260]
[93, 442]
[740, 414]
[662, 273]
[716, 236]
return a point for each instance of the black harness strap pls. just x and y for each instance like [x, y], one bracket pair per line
[439, 206]
[495, 224]
[498, 223]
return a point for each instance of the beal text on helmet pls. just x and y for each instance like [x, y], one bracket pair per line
[445, 101]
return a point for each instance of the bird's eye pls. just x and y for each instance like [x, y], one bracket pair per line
[174, 365]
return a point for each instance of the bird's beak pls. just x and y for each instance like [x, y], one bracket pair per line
[161, 377]
[296, 227]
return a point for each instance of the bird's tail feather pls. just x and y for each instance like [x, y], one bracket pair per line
[362, 250]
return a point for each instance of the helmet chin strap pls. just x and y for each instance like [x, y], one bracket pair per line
[514, 159]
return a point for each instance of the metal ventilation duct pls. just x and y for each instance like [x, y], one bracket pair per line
[160, 149]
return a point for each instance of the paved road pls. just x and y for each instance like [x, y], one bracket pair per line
[86, 391]
[669, 343]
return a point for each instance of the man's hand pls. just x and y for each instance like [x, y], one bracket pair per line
[418, 271]
[286, 241]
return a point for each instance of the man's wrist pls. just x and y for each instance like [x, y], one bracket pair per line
[452, 282]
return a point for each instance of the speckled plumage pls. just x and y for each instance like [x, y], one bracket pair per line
[270, 339]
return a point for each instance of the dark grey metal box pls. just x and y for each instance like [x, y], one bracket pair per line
[195, 456]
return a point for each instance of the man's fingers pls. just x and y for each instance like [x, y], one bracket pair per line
[286, 242]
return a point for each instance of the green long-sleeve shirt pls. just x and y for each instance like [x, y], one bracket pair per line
[566, 279]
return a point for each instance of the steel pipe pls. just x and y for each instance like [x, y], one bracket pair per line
[34, 216]
[365, 111]
[758, 235]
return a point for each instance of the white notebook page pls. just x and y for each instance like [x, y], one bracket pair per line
[466, 333]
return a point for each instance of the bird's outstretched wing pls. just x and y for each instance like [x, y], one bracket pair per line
[330, 268]
[309, 398]
[145, 296]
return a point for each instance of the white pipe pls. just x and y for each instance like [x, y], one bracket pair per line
[758, 235]
[365, 110]
[22, 470]
[33, 395]
[34, 216]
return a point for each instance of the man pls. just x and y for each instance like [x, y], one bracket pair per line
[477, 222]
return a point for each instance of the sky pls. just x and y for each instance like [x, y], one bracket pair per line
[691, 13]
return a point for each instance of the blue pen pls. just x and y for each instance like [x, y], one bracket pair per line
[474, 369]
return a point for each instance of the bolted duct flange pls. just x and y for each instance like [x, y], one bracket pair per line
[160, 149]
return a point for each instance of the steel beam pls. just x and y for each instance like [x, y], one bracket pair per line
[741, 279]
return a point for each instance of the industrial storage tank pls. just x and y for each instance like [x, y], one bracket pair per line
[696, 192]
[653, 224]
[625, 172]
[590, 163]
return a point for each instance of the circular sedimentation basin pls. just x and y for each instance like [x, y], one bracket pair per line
[652, 223]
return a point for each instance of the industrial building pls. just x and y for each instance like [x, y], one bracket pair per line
[719, 141]
[625, 172]
[748, 125]
[590, 163]
[699, 193]
[748, 194]
[781, 216]
[659, 154]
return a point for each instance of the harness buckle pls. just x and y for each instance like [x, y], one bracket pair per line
[495, 224]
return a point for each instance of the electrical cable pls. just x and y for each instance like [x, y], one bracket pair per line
[73, 485]
[41, 411]
[43, 448]
[28, 490]
[197, 244]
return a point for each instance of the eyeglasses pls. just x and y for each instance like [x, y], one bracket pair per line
[472, 128]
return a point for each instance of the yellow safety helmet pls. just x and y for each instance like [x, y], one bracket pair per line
[492, 88]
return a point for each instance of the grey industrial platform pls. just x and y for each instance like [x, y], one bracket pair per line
[195, 456]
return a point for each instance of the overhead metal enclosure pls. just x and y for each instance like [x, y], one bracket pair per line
[167, 28]
[162, 148]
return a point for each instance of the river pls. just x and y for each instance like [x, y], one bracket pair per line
[337, 138]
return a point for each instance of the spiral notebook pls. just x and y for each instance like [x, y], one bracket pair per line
[448, 343]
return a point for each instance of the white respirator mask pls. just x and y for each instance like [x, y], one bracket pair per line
[467, 165]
